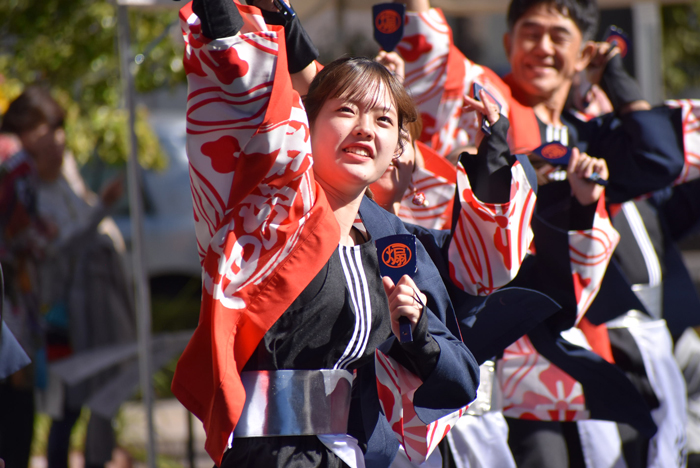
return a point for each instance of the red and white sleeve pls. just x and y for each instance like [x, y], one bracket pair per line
[425, 48]
[438, 75]
[491, 240]
[249, 152]
[690, 114]
[590, 252]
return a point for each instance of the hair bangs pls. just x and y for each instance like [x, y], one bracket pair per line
[367, 88]
[364, 81]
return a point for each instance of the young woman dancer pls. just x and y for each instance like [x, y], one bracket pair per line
[282, 366]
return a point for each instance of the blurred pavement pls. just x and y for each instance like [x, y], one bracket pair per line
[170, 421]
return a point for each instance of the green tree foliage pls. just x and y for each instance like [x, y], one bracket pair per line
[70, 46]
[681, 47]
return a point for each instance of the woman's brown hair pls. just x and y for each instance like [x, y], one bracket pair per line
[32, 108]
[357, 78]
[415, 129]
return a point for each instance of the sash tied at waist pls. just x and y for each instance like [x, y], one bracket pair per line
[295, 402]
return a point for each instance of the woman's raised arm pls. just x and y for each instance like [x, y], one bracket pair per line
[247, 132]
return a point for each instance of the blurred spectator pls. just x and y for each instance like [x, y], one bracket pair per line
[22, 238]
[82, 291]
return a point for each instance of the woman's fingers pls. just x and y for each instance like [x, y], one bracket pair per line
[492, 112]
[404, 296]
[484, 106]
[388, 284]
[405, 300]
[473, 104]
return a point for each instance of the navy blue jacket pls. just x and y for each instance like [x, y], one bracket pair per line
[452, 383]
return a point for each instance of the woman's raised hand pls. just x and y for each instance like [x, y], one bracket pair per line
[485, 107]
[405, 300]
[602, 53]
[393, 62]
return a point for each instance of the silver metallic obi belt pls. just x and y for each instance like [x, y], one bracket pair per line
[295, 402]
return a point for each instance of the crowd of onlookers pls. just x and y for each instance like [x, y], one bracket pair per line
[65, 291]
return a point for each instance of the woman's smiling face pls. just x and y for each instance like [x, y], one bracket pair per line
[354, 139]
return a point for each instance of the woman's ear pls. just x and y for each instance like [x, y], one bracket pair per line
[585, 56]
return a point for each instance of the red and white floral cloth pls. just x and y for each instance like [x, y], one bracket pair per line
[438, 75]
[264, 227]
[396, 387]
[590, 252]
[436, 180]
[534, 388]
[690, 111]
[490, 240]
[531, 386]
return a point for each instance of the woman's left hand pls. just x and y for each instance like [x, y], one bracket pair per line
[485, 106]
[405, 300]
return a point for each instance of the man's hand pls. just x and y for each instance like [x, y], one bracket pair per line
[581, 167]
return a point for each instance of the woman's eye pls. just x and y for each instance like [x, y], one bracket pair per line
[386, 120]
[345, 109]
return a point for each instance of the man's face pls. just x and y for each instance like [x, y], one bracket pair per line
[545, 51]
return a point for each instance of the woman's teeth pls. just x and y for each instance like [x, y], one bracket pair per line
[358, 151]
